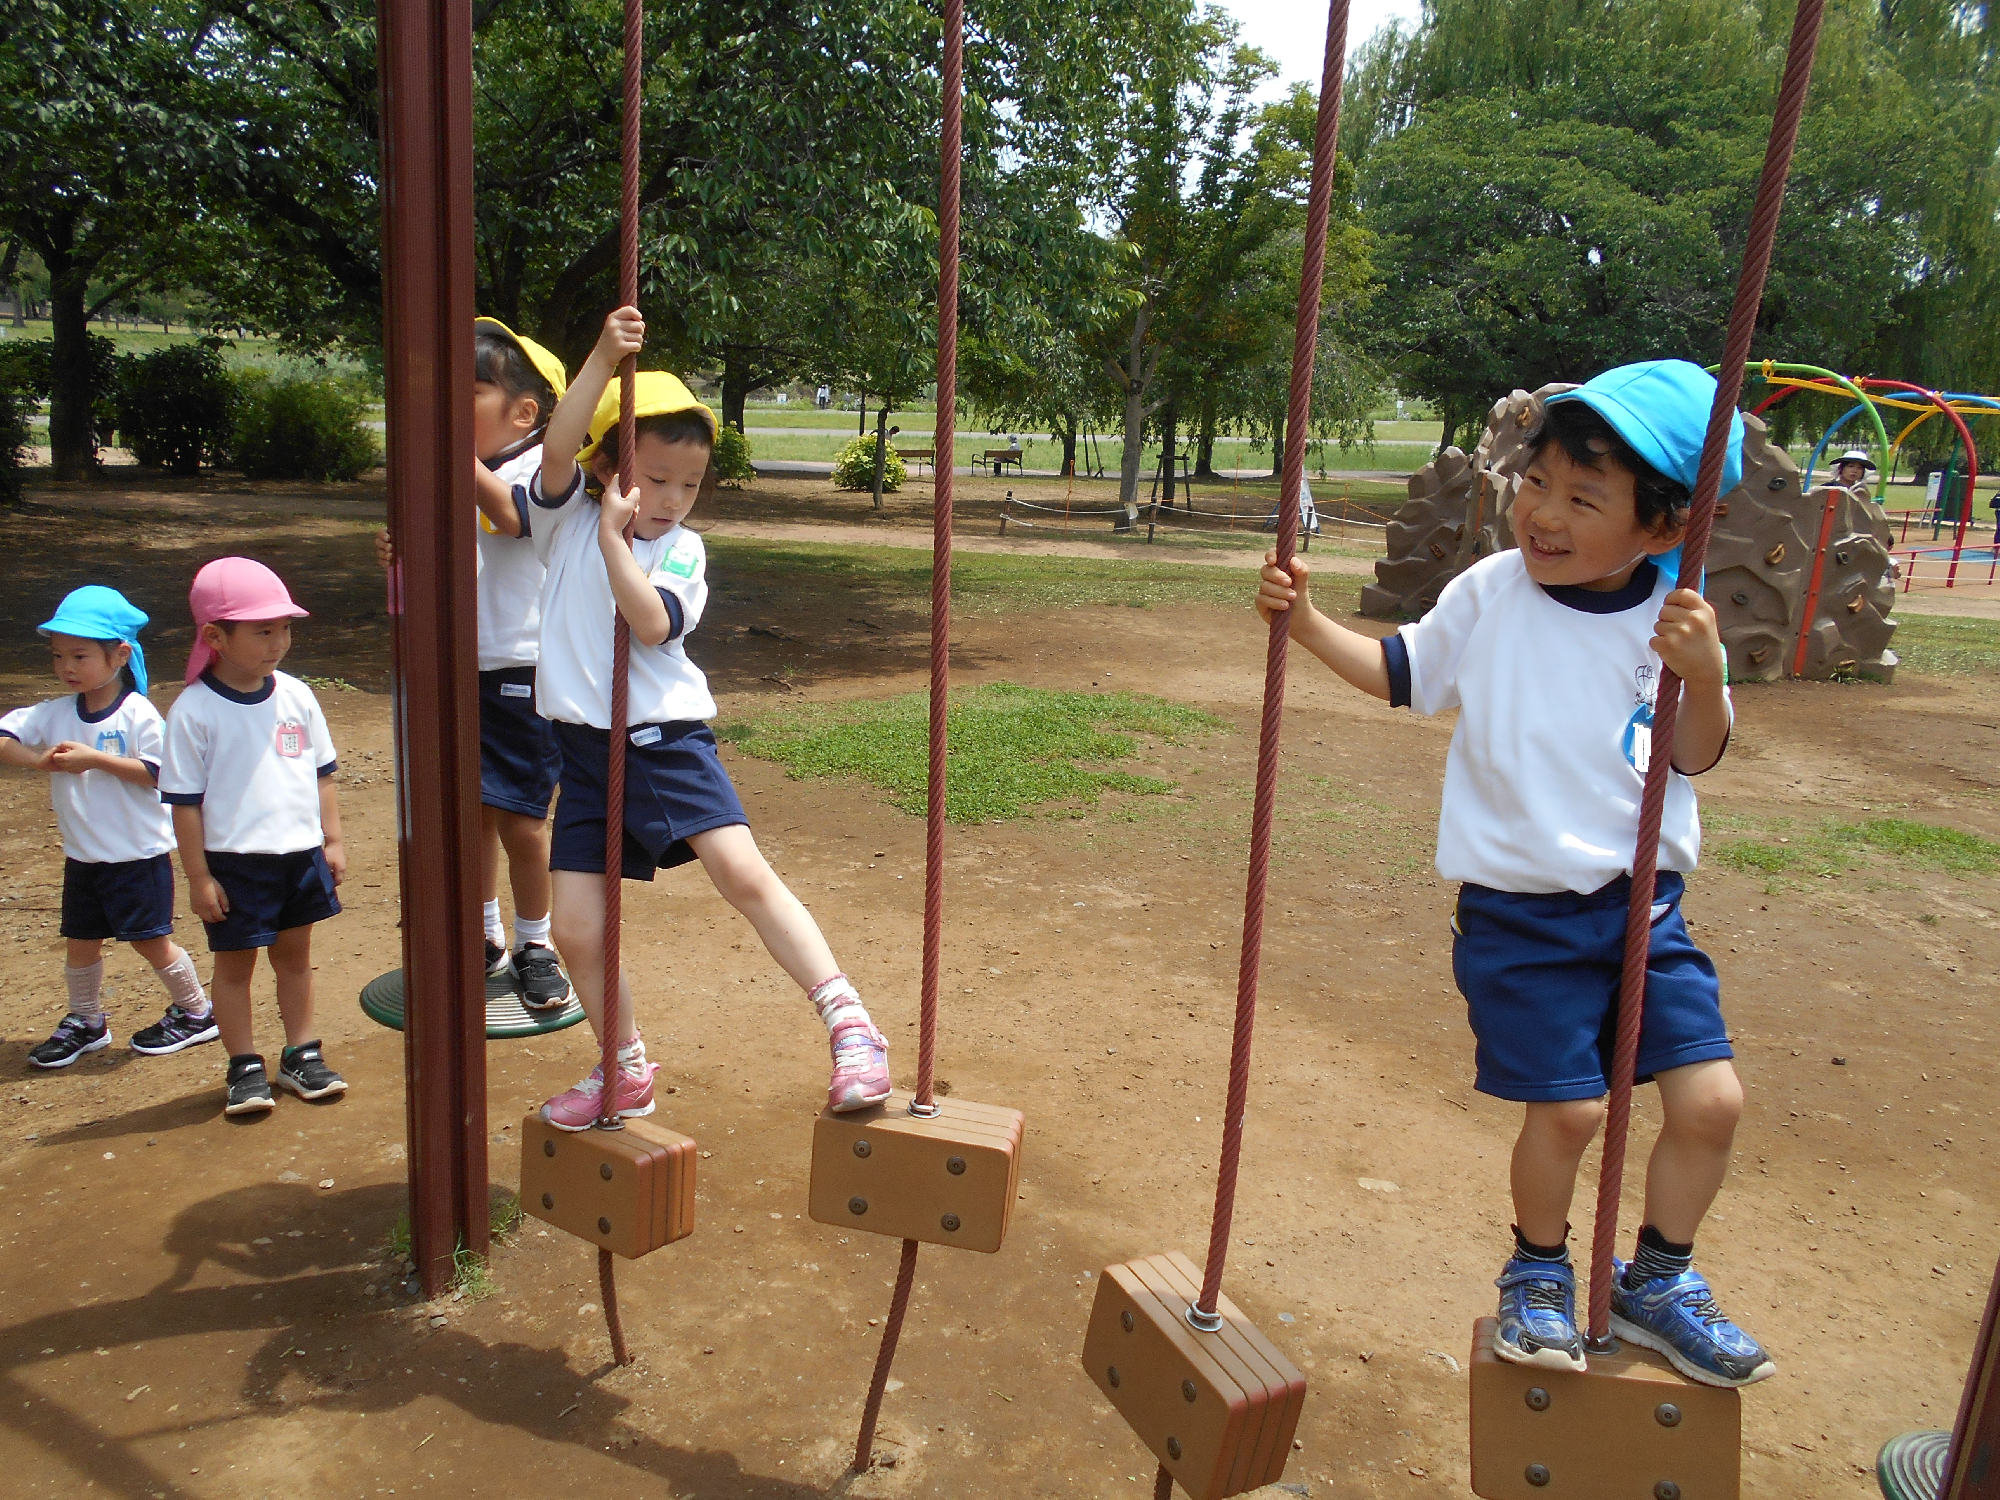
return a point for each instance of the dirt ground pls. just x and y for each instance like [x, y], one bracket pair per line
[190, 1307]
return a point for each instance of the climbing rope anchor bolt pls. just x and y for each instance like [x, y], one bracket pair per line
[1213, 1399]
[1630, 1425]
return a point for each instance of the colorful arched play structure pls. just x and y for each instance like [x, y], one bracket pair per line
[1803, 572]
[1214, 1400]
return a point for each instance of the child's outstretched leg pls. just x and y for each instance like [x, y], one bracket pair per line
[301, 1068]
[189, 1020]
[1660, 1300]
[578, 926]
[1538, 1283]
[747, 882]
[84, 1027]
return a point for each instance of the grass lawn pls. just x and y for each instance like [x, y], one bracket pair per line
[1013, 749]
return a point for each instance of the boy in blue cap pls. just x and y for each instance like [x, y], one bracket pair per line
[1551, 653]
[101, 744]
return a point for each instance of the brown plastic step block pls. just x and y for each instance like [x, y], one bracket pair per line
[628, 1191]
[1220, 1409]
[947, 1180]
[1628, 1428]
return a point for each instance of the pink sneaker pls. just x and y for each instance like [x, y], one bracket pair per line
[860, 1067]
[581, 1107]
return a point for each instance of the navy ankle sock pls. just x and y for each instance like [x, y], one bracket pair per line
[1526, 1250]
[1656, 1257]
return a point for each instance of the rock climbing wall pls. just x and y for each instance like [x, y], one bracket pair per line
[1758, 556]
[1457, 511]
[1852, 623]
[1423, 540]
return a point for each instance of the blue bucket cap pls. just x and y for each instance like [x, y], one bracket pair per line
[1661, 408]
[97, 613]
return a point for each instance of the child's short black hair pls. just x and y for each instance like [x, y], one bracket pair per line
[673, 427]
[500, 361]
[1589, 439]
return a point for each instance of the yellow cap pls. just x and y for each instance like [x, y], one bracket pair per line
[655, 393]
[546, 364]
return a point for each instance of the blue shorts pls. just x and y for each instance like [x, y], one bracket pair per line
[128, 899]
[269, 894]
[518, 758]
[675, 787]
[1540, 979]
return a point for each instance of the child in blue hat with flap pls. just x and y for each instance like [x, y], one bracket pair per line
[101, 745]
[1551, 653]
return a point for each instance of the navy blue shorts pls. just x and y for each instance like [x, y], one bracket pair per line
[518, 758]
[1540, 979]
[269, 894]
[675, 787]
[128, 899]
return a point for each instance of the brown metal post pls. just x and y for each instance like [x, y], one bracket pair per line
[427, 276]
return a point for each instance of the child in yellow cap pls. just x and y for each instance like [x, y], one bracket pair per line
[516, 384]
[679, 803]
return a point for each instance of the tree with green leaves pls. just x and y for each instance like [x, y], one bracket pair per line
[110, 140]
[1565, 184]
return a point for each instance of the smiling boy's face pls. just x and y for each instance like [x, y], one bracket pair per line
[668, 477]
[1578, 525]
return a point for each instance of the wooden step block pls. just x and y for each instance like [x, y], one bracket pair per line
[629, 1191]
[947, 1180]
[1628, 1428]
[1218, 1409]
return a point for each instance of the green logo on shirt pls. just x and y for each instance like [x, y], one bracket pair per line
[682, 560]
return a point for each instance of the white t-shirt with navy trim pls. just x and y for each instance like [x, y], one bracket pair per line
[1554, 689]
[573, 682]
[510, 576]
[102, 820]
[252, 763]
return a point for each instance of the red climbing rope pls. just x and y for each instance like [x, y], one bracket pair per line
[1298, 419]
[1666, 706]
[621, 634]
[950, 149]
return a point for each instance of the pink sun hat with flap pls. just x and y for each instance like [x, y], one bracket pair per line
[234, 588]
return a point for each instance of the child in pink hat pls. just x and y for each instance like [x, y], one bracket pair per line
[248, 772]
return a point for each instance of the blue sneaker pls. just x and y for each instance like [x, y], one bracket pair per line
[1538, 1315]
[1677, 1316]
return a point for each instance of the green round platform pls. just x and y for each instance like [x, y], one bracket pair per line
[1911, 1466]
[506, 1016]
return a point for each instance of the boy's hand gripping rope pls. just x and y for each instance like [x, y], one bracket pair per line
[951, 147]
[621, 637]
[1666, 707]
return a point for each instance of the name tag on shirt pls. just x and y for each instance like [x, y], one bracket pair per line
[649, 735]
[517, 690]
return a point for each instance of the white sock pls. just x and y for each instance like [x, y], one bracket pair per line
[531, 930]
[184, 985]
[496, 934]
[632, 1056]
[86, 990]
[837, 1001]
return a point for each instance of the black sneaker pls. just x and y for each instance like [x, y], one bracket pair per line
[302, 1070]
[73, 1037]
[544, 986]
[249, 1089]
[174, 1031]
[497, 961]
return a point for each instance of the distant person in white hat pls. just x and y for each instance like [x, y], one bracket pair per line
[1851, 468]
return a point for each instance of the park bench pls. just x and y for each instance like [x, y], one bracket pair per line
[919, 456]
[1001, 457]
